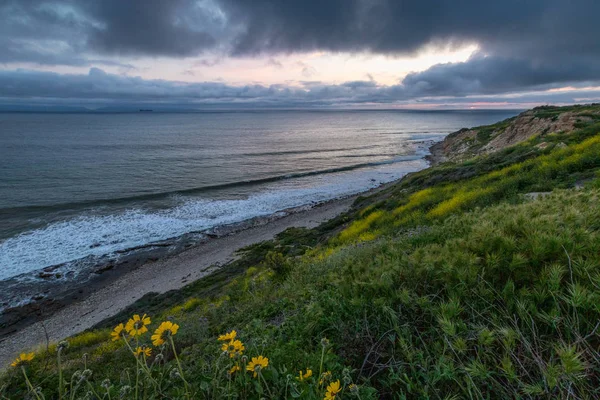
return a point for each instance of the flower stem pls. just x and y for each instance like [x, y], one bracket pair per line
[29, 385]
[137, 370]
[187, 389]
[229, 385]
[321, 366]
[93, 390]
[266, 384]
[60, 376]
[143, 365]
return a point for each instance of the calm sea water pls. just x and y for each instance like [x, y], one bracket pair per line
[74, 185]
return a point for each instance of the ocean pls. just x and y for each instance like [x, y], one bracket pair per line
[78, 186]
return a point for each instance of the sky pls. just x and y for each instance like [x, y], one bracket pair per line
[206, 54]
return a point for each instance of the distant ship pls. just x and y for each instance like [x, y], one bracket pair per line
[145, 110]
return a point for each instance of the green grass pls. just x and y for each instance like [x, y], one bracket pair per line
[450, 284]
[487, 183]
[587, 115]
[554, 111]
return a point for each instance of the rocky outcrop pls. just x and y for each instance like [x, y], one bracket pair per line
[528, 124]
[467, 143]
[453, 147]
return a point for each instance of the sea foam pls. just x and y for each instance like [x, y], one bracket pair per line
[95, 235]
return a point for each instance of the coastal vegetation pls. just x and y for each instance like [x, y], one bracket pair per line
[468, 280]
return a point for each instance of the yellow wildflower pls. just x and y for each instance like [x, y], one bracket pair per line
[257, 364]
[117, 332]
[332, 390]
[234, 348]
[234, 369]
[136, 326]
[228, 337]
[325, 377]
[306, 375]
[162, 333]
[147, 351]
[23, 358]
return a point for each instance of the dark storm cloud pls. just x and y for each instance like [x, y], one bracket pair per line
[536, 28]
[533, 27]
[523, 45]
[64, 31]
[153, 27]
[39, 33]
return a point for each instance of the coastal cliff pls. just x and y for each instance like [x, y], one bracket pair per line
[541, 121]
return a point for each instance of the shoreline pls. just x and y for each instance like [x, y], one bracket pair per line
[84, 307]
[40, 294]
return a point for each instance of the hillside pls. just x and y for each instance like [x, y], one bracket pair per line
[541, 121]
[455, 283]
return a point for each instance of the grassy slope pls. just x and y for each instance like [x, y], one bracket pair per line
[450, 283]
[485, 134]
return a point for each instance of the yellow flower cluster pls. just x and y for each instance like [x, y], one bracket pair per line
[118, 332]
[145, 350]
[137, 326]
[235, 348]
[332, 390]
[23, 359]
[232, 346]
[257, 364]
[227, 337]
[303, 376]
[163, 332]
[325, 377]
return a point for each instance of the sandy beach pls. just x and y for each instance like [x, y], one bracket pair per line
[160, 276]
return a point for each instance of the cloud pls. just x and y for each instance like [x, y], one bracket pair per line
[492, 74]
[152, 27]
[38, 33]
[98, 88]
[523, 45]
[274, 63]
[308, 71]
[207, 63]
[66, 31]
[538, 28]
